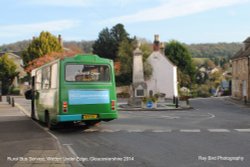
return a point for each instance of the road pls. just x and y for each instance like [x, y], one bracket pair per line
[216, 133]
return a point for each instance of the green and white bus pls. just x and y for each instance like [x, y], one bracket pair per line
[74, 89]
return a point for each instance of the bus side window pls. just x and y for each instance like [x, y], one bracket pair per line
[38, 80]
[46, 78]
[104, 73]
[54, 73]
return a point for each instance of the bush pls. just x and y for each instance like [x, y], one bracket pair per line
[123, 95]
[202, 91]
[123, 79]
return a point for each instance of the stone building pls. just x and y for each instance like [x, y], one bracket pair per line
[164, 74]
[240, 72]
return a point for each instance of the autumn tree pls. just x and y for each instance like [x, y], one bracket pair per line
[44, 44]
[209, 64]
[7, 72]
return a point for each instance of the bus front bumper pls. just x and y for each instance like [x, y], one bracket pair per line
[79, 117]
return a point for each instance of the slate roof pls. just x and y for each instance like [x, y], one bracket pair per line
[243, 52]
[247, 40]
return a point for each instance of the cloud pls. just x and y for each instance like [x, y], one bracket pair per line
[31, 29]
[174, 8]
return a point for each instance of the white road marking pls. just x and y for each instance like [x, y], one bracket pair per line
[190, 130]
[71, 150]
[211, 115]
[135, 130]
[90, 130]
[218, 130]
[107, 130]
[169, 117]
[242, 130]
[51, 134]
[162, 131]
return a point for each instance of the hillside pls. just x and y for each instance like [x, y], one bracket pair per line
[85, 46]
[226, 50]
[15, 47]
[210, 50]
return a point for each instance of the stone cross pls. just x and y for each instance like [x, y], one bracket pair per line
[138, 75]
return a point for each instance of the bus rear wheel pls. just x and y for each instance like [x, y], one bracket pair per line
[48, 121]
[92, 123]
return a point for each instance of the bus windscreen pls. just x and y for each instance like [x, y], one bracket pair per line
[87, 73]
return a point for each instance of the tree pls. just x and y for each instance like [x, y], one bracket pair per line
[125, 56]
[105, 46]
[209, 64]
[119, 34]
[7, 72]
[181, 57]
[46, 43]
[108, 42]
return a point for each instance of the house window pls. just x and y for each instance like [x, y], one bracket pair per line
[54, 71]
[139, 92]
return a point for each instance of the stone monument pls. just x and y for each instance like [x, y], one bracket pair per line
[139, 86]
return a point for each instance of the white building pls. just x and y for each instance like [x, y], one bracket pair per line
[164, 74]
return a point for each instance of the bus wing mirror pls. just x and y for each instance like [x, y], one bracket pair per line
[28, 94]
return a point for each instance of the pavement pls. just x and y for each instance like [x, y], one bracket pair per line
[237, 101]
[23, 142]
[166, 105]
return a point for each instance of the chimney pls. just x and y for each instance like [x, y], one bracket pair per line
[156, 45]
[60, 40]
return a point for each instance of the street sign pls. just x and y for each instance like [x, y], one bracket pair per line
[149, 104]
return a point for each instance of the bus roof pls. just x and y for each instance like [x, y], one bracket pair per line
[92, 58]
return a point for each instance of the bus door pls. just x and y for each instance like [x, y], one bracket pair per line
[33, 97]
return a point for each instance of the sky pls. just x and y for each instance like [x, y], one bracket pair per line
[188, 21]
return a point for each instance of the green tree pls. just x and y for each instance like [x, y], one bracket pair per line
[180, 56]
[125, 56]
[7, 72]
[46, 43]
[104, 46]
[119, 34]
[108, 42]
